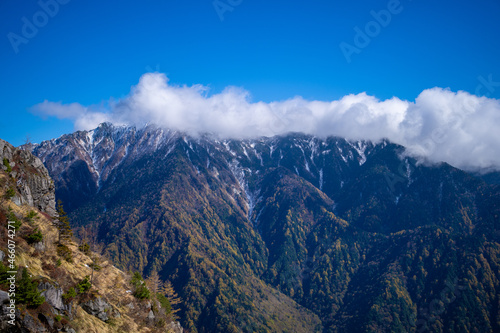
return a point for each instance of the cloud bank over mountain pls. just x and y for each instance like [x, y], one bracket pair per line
[440, 125]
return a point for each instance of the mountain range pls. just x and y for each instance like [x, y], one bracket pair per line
[291, 233]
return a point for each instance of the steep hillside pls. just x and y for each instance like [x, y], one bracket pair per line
[59, 285]
[273, 233]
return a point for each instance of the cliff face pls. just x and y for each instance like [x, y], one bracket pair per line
[32, 181]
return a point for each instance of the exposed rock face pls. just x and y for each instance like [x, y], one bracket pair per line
[26, 322]
[4, 297]
[40, 246]
[99, 308]
[32, 325]
[53, 295]
[174, 327]
[34, 185]
[46, 320]
[151, 317]
[21, 324]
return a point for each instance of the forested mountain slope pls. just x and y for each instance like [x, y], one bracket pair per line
[291, 233]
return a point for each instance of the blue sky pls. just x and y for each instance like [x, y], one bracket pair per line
[92, 51]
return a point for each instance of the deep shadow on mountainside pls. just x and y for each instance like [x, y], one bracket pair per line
[291, 233]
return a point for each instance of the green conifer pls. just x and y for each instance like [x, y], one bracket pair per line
[63, 226]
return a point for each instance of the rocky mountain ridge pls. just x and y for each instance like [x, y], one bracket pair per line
[91, 156]
[339, 236]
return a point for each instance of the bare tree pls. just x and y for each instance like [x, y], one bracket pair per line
[154, 283]
[174, 299]
[83, 235]
[28, 142]
[96, 250]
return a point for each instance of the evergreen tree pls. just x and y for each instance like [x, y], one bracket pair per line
[165, 303]
[84, 285]
[141, 290]
[27, 291]
[63, 225]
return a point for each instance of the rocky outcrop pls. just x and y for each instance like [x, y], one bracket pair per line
[53, 296]
[4, 297]
[32, 325]
[150, 319]
[40, 246]
[99, 308]
[46, 320]
[174, 327]
[21, 323]
[32, 181]
[29, 182]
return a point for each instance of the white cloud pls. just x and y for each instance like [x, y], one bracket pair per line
[441, 125]
[83, 117]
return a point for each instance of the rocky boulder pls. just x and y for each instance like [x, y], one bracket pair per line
[53, 295]
[99, 308]
[40, 247]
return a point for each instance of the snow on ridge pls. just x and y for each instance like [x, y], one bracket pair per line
[271, 149]
[226, 145]
[306, 165]
[245, 152]
[239, 174]
[408, 172]
[342, 154]
[314, 149]
[90, 137]
[360, 147]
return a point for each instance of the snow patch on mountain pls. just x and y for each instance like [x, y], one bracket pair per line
[360, 147]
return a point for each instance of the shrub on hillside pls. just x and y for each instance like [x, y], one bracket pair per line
[64, 252]
[35, 237]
